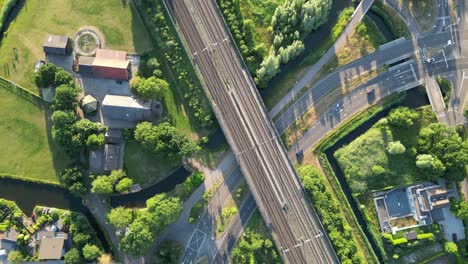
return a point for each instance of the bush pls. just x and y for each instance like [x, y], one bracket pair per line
[425, 236]
[194, 181]
[399, 241]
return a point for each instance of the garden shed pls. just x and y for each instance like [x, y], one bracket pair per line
[57, 45]
[89, 104]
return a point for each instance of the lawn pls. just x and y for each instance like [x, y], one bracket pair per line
[27, 150]
[143, 167]
[422, 10]
[39, 18]
[370, 149]
[260, 12]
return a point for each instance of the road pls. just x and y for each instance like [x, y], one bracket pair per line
[358, 14]
[272, 180]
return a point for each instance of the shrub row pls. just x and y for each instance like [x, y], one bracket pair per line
[328, 209]
[169, 46]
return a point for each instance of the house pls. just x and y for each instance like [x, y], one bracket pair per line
[411, 206]
[126, 108]
[111, 64]
[89, 104]
[51, 245]
[57, 45]
[112, 157]
[8, 239]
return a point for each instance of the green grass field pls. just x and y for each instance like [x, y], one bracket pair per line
[357, 158]
[116, 19]
[27, 151]
[143, 167]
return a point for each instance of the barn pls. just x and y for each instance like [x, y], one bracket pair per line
[111, 64]
[57, 45]
[125, 108]
[85, 65]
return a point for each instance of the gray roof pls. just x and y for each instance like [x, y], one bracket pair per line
[55, 41]
[10, 235]
[85, 60]
[125, 101]
[112, 157]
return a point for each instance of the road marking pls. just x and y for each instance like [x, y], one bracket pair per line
[414, 73]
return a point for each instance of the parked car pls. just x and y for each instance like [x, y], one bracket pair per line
[38, 65]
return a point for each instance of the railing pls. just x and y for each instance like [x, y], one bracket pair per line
[22, 92]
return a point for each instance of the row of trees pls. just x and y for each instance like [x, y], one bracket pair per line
[49, 75]
[165, 140]
[291, 23]
[168, 44]
[328, 209]
[242, 31]
[144, 226]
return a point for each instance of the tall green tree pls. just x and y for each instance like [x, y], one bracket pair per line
[402, 117]
[65, 98]
[91, 252]
[120, 217]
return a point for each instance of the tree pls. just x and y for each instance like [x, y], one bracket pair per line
[402, 117]
[395, 147]
[15, 257]
[151, 88]
[120, 217]
[95, 141]
[461, 210]
[103, 185]
[268, 69]
[451, 248]
[65, 98]
[424, 161]
[165, 140]
[63, 77]
[124, 185]
[164, 210]
[138, 239]
[134, 83]
[91, 252]
[73, 178]
[444, 143]
[45, 76]
[80, 239]
[73, 256]
[105, 259]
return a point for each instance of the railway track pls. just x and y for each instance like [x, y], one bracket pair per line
[293, 222]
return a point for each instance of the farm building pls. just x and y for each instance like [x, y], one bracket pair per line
[85, 66]
[89, 104]
[126, 108]
[111, 64]
[57, 45]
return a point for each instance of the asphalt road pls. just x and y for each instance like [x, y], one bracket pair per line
[294, 224]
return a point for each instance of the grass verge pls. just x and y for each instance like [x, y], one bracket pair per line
[423, 11]
[391, 18]
[36, 19]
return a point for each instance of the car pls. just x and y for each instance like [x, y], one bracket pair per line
[430, 60]
[454, 237]
[38, 65]
[370, 91]
[300, 153]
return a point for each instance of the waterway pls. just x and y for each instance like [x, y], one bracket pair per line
[29, 194]
[415, 98]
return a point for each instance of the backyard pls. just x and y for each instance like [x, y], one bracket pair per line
[22, 45]
[27, 150]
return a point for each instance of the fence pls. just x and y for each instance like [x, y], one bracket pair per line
[22, 92]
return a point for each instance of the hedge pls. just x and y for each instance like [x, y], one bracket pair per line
[6, 8]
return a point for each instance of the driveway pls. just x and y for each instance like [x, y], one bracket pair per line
[451, 225]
